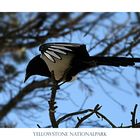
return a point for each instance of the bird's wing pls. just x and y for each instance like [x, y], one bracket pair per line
[56, 50]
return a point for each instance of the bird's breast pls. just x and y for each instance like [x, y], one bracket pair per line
[59, 66]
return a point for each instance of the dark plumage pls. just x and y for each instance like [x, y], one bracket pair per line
[68, 59]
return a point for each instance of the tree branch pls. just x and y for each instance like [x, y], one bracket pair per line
[60, 120]
[134, 116]
[21, 94]
[52, 102]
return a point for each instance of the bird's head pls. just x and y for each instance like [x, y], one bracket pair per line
[36, 66]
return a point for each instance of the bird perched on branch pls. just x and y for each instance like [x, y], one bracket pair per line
[66, 60]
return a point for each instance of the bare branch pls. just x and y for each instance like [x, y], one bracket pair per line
[20, 95]
[52, 102]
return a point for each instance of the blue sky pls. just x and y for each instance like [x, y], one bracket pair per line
[75, 95]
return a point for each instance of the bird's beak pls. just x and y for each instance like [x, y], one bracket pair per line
[26, 77]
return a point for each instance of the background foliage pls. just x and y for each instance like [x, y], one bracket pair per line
[105, 34]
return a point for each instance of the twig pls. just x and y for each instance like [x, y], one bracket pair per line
[105, 118]
[137, 125]
[134, 123]
[134, 116]
[52, 102]
[72, 114]
[38, 126]
[80, 120]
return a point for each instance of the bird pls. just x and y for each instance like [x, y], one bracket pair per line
[66, 60]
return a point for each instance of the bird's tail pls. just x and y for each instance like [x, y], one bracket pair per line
[114, 61]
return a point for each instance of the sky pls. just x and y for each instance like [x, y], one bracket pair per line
[100, 95]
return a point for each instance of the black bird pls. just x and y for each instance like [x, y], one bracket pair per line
[66, 60]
